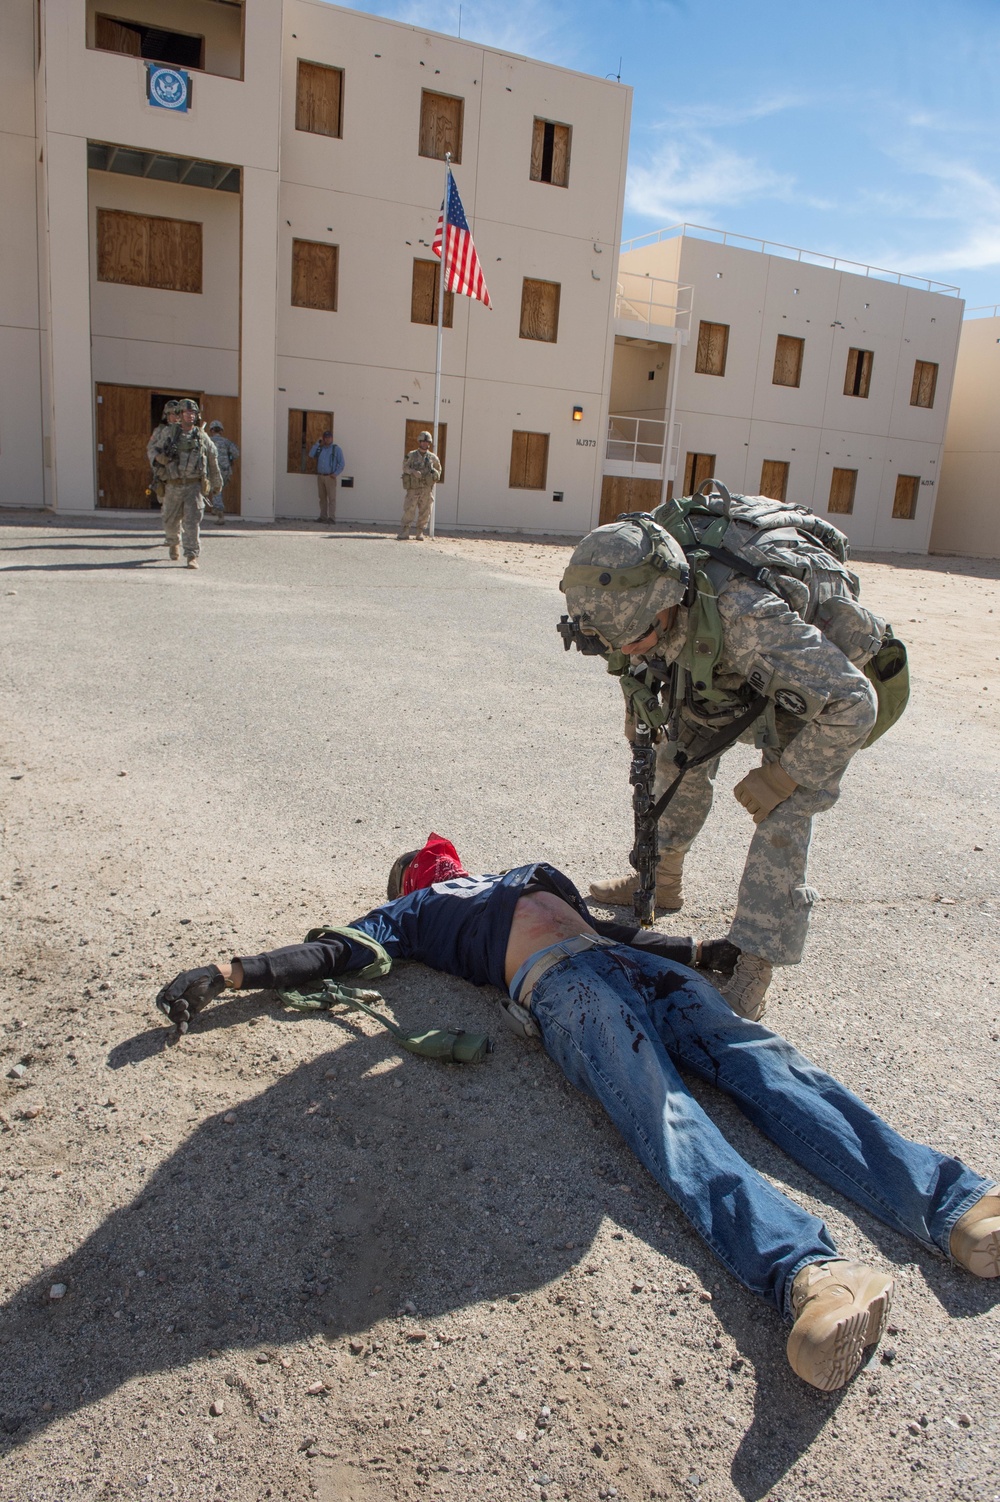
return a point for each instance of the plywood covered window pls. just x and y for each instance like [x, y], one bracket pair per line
[843, 483]
[858, 378]
[774, 479]
[788, 361]
[305, 429]
[925, 374]
[550, 143]
[319, 99]
[904, 503]
[145, 250]
[152, 42]
[529, 460]
[713, 346]
[424, 295]
[441, 125]
[697, 467]
[414, 427]
[314, 275]
[539, 310]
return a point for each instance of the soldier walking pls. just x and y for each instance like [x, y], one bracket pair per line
[227, 454]
[188, 466]
[421, 471]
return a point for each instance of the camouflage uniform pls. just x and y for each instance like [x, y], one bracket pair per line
[227, 454]
[189, 467]
[420, 473]
[761, 634]
[158, 437]
[821, 709]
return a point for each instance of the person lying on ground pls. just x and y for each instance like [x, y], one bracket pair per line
[621, 1020]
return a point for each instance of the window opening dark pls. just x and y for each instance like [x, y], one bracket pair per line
[548, 146]
[155, 44]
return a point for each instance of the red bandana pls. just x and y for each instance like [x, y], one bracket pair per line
[437, 861]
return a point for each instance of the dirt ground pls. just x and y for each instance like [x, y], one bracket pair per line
[292, 1263]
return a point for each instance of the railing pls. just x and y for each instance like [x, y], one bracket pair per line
[641, 441]
[986, 311]
[790, 252]
[654, 301]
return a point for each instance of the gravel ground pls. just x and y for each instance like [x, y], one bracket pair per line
[298, 1265]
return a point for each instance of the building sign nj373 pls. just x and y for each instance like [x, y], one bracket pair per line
[167, 88]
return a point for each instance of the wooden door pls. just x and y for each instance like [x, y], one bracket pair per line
[122, 434]
[413, 427]
[622, 493]
[774, 479]
[226, 409]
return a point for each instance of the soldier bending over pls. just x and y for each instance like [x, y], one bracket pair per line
[621, 1012]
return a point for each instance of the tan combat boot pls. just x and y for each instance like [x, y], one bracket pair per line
[175, 552]
[975, 1239]
[619, 891]
[746, 988]
[192, 561]
[840, 1311]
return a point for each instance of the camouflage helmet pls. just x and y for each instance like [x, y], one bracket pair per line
[422, 437]
[621, 576]
[169, 408]
[215, 427]
[188, 404]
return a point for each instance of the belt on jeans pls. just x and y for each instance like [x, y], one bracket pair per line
[517, 1013]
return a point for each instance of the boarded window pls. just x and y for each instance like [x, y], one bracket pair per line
[858, 379]
[713, 345]
[697, 467]
[305, 429]
[319, 99]
[143, 250]
[774, 479]
[539, 310]
[152, 42]
[922, 391]
[441, 125]
[314, 275]
[843, 483]
[414, 427]
[904, 504]
[550, 153]
[424, 295]
[529, 460]
[788, 361]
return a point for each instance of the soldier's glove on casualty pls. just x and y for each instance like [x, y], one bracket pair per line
[763, 789]
[188, 993]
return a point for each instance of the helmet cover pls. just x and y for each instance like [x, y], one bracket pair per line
[621, 576]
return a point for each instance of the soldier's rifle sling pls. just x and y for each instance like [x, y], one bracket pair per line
[718, 743]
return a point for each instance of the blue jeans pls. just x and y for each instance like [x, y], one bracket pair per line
[618, 1023]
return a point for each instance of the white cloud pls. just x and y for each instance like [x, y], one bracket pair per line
[692, 173]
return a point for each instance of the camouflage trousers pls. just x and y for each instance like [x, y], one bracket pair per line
[183, 509]
[417, 508]
[775, 902]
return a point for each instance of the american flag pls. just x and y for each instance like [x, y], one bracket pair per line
[462, 271]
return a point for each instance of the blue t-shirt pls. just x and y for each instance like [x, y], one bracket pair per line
[461, 926]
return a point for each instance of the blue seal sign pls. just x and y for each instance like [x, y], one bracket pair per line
[167, 88]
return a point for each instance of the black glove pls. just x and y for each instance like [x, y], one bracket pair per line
[720, 955]
[188, 993]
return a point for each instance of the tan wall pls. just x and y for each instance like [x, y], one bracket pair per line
[967, 519]
[143, 336]
[632, 392]
[744, 418]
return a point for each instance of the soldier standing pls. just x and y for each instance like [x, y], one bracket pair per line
[227, 454]
[186, 462]
[626, 583]
[159, 435]
[421, 471]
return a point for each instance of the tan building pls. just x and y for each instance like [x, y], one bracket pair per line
[267, 248]
[822, 383]
[967, 519]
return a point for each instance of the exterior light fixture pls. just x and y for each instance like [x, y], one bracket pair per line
[578, 414]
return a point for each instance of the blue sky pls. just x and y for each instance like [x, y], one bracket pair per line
[864, 130]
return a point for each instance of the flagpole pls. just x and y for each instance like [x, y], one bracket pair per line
[440, 323]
